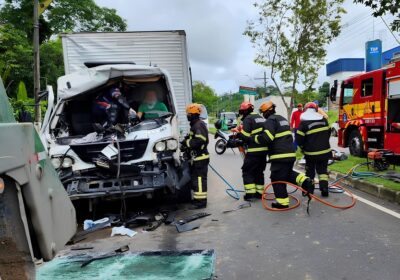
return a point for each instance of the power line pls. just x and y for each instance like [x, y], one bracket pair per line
[391, 31]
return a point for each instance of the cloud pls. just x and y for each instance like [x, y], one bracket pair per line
[219, 53]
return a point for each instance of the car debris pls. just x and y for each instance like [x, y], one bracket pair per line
[116, 252]
[123, 231]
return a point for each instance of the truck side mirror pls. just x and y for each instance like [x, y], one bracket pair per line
[333, 94]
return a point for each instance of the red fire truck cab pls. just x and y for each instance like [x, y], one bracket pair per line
[369, 110]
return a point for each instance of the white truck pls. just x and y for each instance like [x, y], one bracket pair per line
[131, 157]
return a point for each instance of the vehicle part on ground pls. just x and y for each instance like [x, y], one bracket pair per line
[187, 227]
[192, 218]
[116, 252]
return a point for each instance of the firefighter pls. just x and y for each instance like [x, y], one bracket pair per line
[278, 138]
[255, 158]
[313, 138]
[197, 142]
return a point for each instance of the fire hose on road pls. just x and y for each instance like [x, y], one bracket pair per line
[334, 187]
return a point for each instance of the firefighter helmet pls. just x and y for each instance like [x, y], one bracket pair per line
[265, 106]
[245, 106]
[311, 105]
[193, 108]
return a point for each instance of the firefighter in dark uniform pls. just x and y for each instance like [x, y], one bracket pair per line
[197, 142]
[312, 137]
[255, 158]
[278, 138]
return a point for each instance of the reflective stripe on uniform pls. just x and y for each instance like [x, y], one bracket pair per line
[261, 149]
[281, 134]
[200, 194]
[300, 179]
[188, 142]
[283, 201]
[323, 177]
[288, 155]
[257, 130]
[256, 139]
[299, 132]
[245, 133]
[312, 131]
[201, 137]
[250, 188]
[269, 134]
[202, 157]
[318, 152]
[260, 189]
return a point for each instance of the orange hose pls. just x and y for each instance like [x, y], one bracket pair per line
[267, 196]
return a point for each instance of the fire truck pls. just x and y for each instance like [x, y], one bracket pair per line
[369, 110]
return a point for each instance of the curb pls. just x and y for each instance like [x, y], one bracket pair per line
[378, 191]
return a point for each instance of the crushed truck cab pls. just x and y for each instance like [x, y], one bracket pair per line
[132, 157]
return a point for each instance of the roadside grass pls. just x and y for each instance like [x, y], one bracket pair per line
[332, 117]
[344, 166]
[212, 130]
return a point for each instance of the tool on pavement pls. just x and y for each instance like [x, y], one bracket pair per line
[247, 204]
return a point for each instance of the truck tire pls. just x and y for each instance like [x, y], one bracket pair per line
[356, 144]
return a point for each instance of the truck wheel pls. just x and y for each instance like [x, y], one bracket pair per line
[356, 145]
[220, 146]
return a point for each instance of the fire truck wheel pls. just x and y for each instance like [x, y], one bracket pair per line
[356, 144]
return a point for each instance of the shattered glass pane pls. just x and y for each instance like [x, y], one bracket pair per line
[144, 266]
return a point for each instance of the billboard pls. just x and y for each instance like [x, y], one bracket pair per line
[373, 55]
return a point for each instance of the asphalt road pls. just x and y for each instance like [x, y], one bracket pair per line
[359, 243]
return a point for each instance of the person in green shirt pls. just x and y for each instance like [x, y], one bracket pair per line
[150, 106]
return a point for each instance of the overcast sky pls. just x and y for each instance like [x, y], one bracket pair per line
[219, 54]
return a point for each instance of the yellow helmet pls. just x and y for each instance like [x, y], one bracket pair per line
[265, 106]
[193, 108]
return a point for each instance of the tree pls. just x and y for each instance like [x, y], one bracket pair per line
[61, 16]
[382, 7]
[16, 27]
[290, 37]
[204, 94]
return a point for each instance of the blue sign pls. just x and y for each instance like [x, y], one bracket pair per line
[373, 55]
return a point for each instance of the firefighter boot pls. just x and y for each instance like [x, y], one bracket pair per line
[308, 186]
[199, 204]
[278, 205]
[323, 186]
[281, 203]
[249, 197]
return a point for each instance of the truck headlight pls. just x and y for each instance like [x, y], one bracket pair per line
[160, 146]
[67, 162]
[60, 162]
[56, 162]
[172, 144]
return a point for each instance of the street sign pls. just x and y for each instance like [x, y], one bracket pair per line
[247, 90]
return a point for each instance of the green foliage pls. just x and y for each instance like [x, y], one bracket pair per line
[16, 58]
[383, 7]
[204, 94]
[61, 16]
[16, 55]
[291, 36]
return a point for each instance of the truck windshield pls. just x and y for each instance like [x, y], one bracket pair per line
[347, 94]
[148, 125]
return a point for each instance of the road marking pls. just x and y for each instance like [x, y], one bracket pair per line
[377, 206]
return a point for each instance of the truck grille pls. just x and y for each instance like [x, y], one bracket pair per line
[130, 150]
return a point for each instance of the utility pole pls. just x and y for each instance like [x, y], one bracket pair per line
[36, 67]
[265, 82]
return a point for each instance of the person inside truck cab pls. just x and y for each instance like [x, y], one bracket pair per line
[151, 106]
[108, 106]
